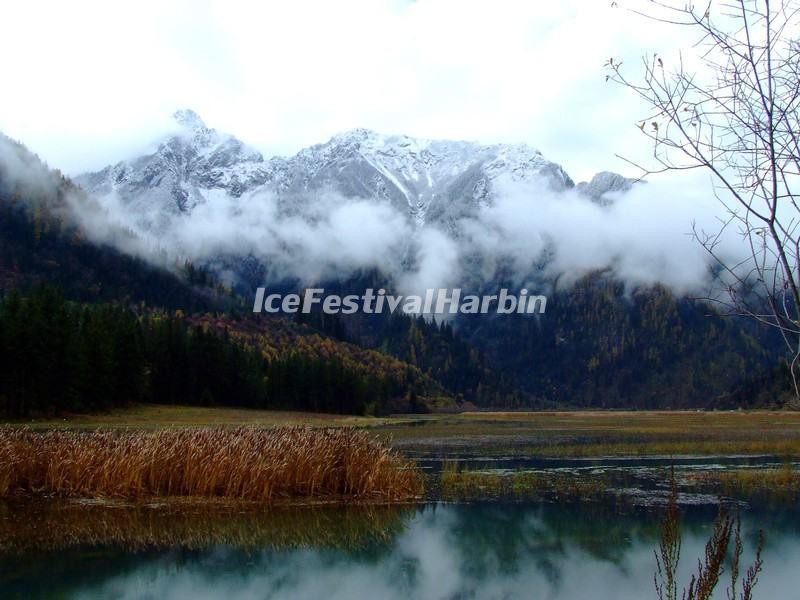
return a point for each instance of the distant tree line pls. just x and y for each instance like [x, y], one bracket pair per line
[57, 356]
[602, 345]
[431, 344]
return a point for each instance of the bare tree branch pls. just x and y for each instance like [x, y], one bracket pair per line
[738, 117]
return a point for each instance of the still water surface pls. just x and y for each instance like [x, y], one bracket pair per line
[491, 550]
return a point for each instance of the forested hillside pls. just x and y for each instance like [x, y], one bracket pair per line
[602, 345]
[57, 356]
[86, 326]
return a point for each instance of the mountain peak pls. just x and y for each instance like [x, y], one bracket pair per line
[360, 136]
[189, 119]
[432, 181]
[360, 133]
[605, 182]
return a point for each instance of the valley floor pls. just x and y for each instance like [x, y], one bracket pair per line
[523, 434]
[752, 456]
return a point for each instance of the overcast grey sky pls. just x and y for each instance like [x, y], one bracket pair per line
[88, 83]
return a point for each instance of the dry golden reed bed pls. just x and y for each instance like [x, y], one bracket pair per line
[246, 463]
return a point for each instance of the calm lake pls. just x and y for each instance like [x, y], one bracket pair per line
[485, 550]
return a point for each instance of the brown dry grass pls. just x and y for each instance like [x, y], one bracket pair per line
[595, 433]
[464, 484]
[157, 416]
[727, 528]
[246, 463]
[553, 434]
[747, 483]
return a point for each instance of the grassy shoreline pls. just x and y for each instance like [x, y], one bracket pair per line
[158, 416]
[565, 434]
[551, 435]
[603, 433]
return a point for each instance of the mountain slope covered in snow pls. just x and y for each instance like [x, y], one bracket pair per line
[431, 181]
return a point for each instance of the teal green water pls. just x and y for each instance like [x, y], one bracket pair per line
[491, 550]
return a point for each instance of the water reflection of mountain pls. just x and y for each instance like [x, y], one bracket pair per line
[491, 550]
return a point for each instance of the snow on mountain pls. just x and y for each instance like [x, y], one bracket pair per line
[180, 173]
[604, 183]
[432, 181]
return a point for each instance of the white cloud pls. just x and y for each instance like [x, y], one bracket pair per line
[644, 237]
[93, 81]
[529, 231]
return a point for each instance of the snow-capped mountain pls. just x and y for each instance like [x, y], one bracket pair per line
[605, 183]
[180, 174]
[432, 181]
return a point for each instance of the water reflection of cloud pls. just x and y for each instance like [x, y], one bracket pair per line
[439, 555]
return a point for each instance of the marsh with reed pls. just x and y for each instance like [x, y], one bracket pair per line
[299, 512]
[291, 463]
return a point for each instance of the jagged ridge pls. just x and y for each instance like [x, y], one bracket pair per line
[432, 181]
